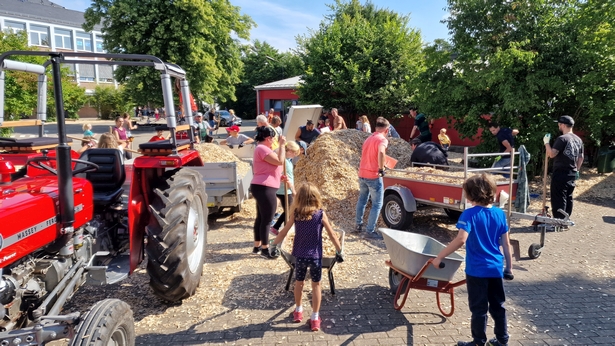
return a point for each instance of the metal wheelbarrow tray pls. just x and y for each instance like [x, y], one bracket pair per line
[410, 267]
[327, 262]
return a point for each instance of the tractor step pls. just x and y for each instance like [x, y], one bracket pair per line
[115, 270]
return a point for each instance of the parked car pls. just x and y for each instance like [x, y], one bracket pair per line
[225, 118]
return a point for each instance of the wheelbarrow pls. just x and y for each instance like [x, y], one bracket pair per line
[410, 267]
[327, 262]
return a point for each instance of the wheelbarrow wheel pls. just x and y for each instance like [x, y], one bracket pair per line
[534, 251]
[395, 279]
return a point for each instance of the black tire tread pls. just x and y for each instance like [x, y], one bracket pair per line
[97, 323]
[406, 220]
[167, 264]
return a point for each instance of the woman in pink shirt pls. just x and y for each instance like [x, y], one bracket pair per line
[267, 167]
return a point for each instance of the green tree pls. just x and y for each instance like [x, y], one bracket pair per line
[21, 87]
[196, 35]
[20, 94]
[261, 64]
[525, 63]
[361, 59]
[110, 102]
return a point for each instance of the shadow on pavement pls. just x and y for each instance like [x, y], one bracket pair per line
[609, 219]
[349, 314]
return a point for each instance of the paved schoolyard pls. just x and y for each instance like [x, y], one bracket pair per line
[565, 297]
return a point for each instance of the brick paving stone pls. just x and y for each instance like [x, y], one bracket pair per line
[554, 300]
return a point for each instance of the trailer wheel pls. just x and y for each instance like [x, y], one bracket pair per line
[108, 322]
[452, 214]
[176, 235]
[395, 279]
[534, 251]
[394, 214]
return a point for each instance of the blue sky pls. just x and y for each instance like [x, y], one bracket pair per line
[280, 21]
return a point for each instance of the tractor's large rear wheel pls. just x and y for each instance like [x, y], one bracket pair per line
[177, 234]
[108, 322]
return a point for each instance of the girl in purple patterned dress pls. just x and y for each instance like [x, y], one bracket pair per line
[308, 218]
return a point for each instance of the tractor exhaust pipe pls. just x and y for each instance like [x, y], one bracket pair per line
[63, 158]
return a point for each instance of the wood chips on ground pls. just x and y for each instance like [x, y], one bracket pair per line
[210, 152]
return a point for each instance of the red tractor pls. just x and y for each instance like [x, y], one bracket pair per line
[66, 222]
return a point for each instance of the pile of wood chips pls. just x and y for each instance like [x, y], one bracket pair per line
[210, 152]
[328, 249]
[429, 174]
[332, 164]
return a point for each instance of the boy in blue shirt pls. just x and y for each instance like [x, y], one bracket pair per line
[483, 228]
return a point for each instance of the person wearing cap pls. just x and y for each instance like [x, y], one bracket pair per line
[307, 133]
[428, 152]
[506, 140]
[267, 169]
[236, 139]
[200, 127]
[567, 155]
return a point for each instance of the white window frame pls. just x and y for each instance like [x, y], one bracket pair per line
[38, 30]
[105, 80]
[7, 26]
[81, 37]
[88, 79]
[98, 39]
[64, 37]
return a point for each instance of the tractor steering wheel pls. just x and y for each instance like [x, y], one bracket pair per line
[37, 162]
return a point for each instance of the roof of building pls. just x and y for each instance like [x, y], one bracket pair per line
[42, 11]
[288, 83]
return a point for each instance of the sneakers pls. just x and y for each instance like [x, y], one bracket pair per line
[273, 231]
[265, 254]
[373, 235]
[297, 316]
[256, 250]
[315, 324]
[358, 229]
[494, 342]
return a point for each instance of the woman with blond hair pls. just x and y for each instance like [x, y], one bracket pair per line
[366, 127]
[108, 141]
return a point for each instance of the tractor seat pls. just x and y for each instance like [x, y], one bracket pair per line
[108, 179]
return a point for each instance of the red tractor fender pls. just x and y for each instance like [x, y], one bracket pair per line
[147, 169]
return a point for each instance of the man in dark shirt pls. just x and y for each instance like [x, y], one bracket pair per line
[506, 140]
[307, 133]
[421, 124]
[428, 152]
[567, 155]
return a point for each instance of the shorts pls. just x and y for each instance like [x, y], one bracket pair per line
[315, 265]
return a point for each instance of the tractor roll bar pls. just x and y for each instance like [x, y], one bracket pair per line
[11, 65]
[65, 182]
[167, 70]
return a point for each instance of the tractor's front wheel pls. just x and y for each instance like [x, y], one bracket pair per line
[177, 235]
[108, 322]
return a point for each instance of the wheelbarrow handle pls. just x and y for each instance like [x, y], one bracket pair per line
[441, 265]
